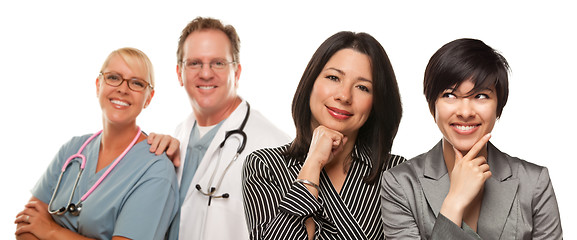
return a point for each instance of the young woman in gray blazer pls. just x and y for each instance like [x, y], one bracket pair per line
[464, 187]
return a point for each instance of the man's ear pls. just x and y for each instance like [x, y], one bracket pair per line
[179, 73]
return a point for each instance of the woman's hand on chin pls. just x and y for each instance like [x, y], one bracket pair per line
[325, 144]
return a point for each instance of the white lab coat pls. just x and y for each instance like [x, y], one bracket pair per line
[224, 218]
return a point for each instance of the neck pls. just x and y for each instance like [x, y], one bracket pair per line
[210, 118]
[116, 137]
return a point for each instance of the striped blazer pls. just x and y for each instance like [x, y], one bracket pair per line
[276, 208]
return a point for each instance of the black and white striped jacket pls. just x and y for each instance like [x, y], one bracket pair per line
[276, 208]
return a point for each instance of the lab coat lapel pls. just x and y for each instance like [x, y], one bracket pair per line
[435, 180]
[206, 167]
[499, 194]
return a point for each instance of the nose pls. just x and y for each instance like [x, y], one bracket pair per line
[205, 72]
[343, 94]
[466, 109]
[123, 88]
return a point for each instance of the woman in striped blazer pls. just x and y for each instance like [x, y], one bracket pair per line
[325, 184]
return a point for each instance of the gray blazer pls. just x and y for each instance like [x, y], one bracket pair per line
[518, 202]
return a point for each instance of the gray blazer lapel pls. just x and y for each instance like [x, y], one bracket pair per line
[435, 180]
[499, 194]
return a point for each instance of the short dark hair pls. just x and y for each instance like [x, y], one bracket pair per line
[466, 59]
[201, 23]
[376, 136]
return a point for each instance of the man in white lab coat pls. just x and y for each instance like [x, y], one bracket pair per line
[209, 173]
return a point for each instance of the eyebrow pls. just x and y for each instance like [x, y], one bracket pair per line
[343, 73]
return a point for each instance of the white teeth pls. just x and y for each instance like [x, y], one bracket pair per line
[206, 87]
[121, 103]
[465, 128]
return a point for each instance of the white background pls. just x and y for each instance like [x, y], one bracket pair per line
[51, 52]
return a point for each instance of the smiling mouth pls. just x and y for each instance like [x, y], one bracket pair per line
[121, 103]
[465, 128]
[338, 113]
[206, 87]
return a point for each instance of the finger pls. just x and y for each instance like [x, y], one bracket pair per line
[161, 143]
[151, 137]
[487, 175]
[484, 168]
[24, 218]
[22, 228]
[153, 141]
[173, 152]
[478, 146]
[173, 146]
[479, 161]
[458, 154]
[20, 219]
[322, 135]
[30, 208]
[176, 159]
[20, 213]
[32, 205]
[336, 142]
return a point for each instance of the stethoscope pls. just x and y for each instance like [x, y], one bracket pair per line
[239, 131]
[75, 209]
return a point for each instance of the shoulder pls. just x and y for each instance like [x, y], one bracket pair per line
[273, 154]
[73, 145]
[269, 161]
[150, 164]
[407, 165]
[77, 141]
[394, 160]
[525, 170]
[407, 172]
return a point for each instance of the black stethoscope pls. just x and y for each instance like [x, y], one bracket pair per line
[239, 131]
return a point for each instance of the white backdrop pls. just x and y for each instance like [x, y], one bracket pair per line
[51, 52]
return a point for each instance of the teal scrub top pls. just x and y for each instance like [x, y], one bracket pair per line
[137, 200]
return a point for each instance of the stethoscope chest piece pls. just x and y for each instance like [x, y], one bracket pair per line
[70, 207]
[75, 209]
[242, 138]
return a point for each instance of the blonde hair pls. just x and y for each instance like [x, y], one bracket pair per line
[135, 59]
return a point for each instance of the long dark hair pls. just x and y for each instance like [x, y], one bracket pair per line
[375, 137]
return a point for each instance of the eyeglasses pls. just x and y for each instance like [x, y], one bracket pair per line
[216, 64]
[115, 80]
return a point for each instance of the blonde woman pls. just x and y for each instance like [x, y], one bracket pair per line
[107, 185]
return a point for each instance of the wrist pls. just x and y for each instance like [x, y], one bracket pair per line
[314, 161]
[453, 209]
[307, 183]
[54, 232]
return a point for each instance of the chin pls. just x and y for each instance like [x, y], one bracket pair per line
[461, 145]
